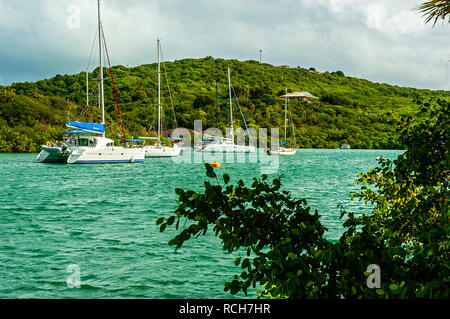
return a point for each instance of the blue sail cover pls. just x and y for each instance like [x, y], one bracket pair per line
[88, 127]
[283, 143]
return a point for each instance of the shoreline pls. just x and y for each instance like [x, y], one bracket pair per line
[299, 149]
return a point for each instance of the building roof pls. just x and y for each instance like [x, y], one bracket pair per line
[298, 95]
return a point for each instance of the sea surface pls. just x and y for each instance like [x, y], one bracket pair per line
[97, 223]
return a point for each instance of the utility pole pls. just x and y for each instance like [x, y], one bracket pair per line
[260, 52]
[446, 80]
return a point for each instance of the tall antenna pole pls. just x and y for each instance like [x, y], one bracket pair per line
[231, 106]
[446, 80]
[159, 93]
[260, 54]
[101, 65]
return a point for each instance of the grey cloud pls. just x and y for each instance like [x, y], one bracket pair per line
[377, 40]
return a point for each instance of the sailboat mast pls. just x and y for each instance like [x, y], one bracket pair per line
[87, 88]
[159, 94]
[231, 105]
[285, 115]
[101, 65]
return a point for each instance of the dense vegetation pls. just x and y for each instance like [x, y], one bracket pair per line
[353, 110]
[282, 246]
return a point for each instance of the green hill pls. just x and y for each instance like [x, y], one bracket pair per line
[350, 109]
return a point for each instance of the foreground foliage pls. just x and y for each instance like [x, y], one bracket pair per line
[283, 243]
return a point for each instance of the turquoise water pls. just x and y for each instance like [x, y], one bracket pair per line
[102, 218]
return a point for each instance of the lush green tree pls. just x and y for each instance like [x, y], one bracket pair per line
[7, 95]
[412, 193]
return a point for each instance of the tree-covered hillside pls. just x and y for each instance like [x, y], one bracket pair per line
[353, 110]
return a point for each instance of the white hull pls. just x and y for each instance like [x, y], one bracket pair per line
[162, 151]
[52, 154]
[226, 148]
[107, 155]
[284, 151]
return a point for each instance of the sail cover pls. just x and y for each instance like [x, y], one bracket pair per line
[88, 127]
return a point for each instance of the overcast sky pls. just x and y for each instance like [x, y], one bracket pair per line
[379, 40]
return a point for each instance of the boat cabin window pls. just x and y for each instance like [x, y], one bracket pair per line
[86, 142]
[111, 144]
[83, 142]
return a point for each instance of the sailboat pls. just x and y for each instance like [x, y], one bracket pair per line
[283, 150]
[158, 149]
[216, 144]
[80, 149]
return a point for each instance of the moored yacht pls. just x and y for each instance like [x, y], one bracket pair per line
[59, 152]
[97, 149]
[283, 150]
[159, 149]
[215, 144]
[101, 150]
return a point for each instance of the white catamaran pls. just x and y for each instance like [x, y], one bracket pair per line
[91, 149]
[159, 149]
[283, 150]
[217, 144]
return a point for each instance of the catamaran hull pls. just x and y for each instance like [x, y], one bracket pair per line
[51, 154]
[107, 156]
[162, 151]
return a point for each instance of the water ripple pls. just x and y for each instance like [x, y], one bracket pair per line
[102, 218]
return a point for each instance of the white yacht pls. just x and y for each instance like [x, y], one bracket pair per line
[59, 152]
[101, 150]
[91, 149]
[283, 150]
[215, 144]
[159, 149]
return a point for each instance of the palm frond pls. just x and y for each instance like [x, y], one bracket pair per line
[435, 10]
